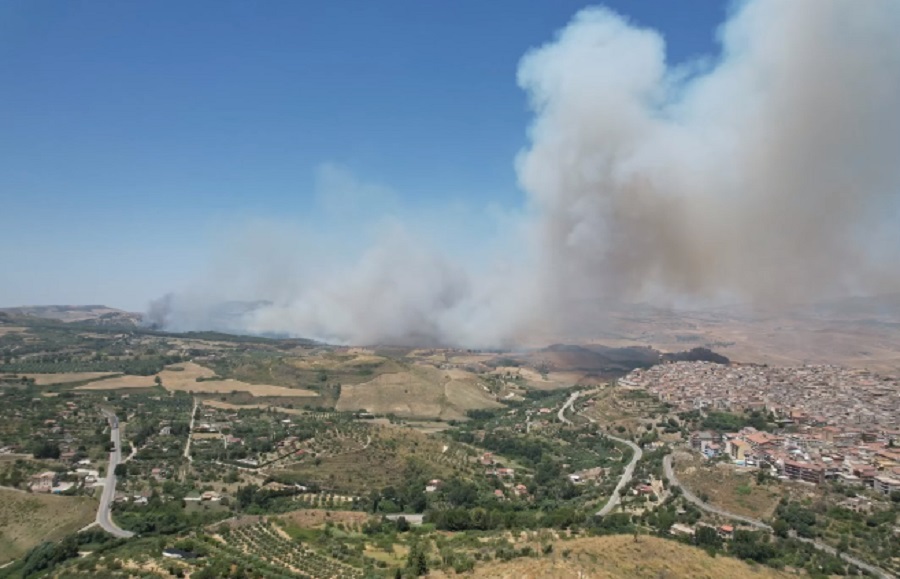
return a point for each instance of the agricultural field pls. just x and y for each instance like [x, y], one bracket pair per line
[192, 377]
[305, 368]
[263, 546]
[29, 519]
[420, 392]
[120, 382]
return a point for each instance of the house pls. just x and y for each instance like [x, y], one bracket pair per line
[433, 485]
[681, 530]
[179, 554]
[44, 482]
[644, 490]
[804, 471]
[726, 531]
[857, 504]
[738, 449]
[699, 440]
[886, 485]
[712, 450]
[165, 431]
[521, 490]
[487, 459]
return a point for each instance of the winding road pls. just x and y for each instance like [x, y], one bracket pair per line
[636, 455]
[187, 446]
[109, 489]
[691, 497]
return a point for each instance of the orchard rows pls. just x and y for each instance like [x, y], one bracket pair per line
[262, 542]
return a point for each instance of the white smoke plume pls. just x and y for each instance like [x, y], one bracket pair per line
[770, 175]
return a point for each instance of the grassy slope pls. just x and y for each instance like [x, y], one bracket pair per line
[421, 392]
[28, 519]
[620, 556]
[729, 489]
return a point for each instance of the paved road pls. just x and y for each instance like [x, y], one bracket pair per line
[187, 446]
[673, 481]
[636, 455]
[109, 489]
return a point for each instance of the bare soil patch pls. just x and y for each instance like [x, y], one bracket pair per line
[183, 377]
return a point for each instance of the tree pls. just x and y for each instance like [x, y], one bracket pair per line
[417, 563]
[46, 449]
[158, 380]
[707, 537]
[780, 527]
[121, 469]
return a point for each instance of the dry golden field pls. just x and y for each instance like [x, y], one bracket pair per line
[120, 382]
[29, 519]
[619, 556]
[422, 392]
[11, 330]
[185, 380]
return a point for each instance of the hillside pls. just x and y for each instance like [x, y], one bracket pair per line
[620, 556]
[91, 314]
[29, 519]
[421, 392]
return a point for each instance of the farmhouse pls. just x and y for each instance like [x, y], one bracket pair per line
[44, 482]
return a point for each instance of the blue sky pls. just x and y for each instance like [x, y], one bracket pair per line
[136, 136]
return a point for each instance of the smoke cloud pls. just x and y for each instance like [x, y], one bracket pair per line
[769, 175]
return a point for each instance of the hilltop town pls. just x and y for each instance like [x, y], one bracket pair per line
[833, 423]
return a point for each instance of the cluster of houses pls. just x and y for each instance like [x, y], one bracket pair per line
[823, 395]
[81, 476]
[494, 468]
[813, 456]
[835, 423]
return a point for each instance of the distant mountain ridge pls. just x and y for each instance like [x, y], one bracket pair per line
[86, 314]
